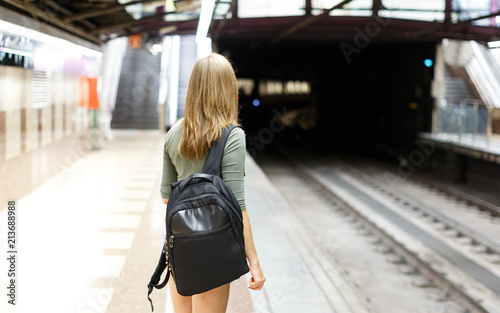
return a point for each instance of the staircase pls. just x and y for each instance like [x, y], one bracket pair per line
[456, 89]
[138, 91]
[458, 116]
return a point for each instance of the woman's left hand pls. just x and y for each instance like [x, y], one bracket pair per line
[258, 279]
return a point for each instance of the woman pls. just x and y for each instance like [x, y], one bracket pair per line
[211, 105]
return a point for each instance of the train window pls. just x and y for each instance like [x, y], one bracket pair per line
[291, 87]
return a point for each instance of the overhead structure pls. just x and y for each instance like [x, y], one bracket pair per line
[100, 20]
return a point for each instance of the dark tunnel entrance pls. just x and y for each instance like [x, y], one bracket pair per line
[374, 100]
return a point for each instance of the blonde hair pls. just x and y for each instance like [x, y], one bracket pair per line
[211, 105]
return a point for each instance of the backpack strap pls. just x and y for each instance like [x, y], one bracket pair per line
[213, 162]
[154, 282]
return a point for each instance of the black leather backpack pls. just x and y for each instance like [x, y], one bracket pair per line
[204, 247]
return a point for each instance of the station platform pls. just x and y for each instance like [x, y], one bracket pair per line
[89, 239]
[479, 147]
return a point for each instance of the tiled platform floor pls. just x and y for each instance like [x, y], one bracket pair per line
[88, 241]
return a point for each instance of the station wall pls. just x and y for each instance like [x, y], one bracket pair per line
[48, 85]
[26, 127]
[36, 143]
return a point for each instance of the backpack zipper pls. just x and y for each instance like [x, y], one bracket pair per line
[216, 195]
[198, 185]
[198, 234]
[194, 198]
[231, 206]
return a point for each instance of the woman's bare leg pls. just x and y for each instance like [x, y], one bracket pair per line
[212, 301]
[182, 304]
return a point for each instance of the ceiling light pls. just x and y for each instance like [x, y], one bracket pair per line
[494, 44]
[157, 47]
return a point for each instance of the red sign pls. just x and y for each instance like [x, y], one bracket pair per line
[135, 41]
[88, 97]
[93, 96]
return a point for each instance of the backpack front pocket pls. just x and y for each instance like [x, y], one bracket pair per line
[204, 214]
[205, 260]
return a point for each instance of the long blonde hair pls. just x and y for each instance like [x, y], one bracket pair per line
[211, 105]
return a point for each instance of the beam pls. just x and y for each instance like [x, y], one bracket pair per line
[212, 25]
[441, 26]
[161, 25]
[308, 8]
[447, 11]
[133, 23]
[376, 6]
[307, 21]
[52, 19]
[235, 10]
[54, 5]
[98, 12]
[222, 22]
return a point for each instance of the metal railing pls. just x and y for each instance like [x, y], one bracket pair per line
[468, 120]
[464, 121]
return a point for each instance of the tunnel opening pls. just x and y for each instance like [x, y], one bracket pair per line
[373, 100]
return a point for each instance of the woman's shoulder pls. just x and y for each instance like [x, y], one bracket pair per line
[175, 130]
[236, 137]
[177, 125]
[237, 134]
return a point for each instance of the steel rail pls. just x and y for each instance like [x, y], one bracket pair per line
[424, 268]
[492, 244]
[482, 204]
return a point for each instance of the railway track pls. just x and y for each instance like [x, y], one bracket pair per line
[447, 276]
[489, 245]
[482, 205]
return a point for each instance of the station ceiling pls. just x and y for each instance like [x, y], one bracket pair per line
[100, 20]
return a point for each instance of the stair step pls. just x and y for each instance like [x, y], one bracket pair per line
[457, 92]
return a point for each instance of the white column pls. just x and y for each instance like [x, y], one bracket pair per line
[112, 61]
[172, 102]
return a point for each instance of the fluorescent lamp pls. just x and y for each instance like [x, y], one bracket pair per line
[207, 10]
[63, 44]
[494, 44]
[167, 29]
[169, 6]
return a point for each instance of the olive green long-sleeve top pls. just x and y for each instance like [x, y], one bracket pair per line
[176, 167]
